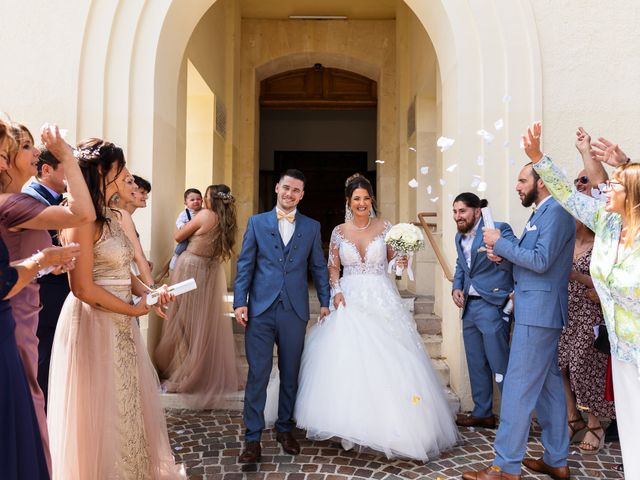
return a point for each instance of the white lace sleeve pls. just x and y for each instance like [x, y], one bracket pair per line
[334, 261]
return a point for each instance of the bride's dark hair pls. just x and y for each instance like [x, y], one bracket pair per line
[356, 181]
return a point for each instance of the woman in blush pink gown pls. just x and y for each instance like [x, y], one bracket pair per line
[105, 417]
[196, 353]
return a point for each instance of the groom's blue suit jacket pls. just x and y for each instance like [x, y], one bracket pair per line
[264, 271]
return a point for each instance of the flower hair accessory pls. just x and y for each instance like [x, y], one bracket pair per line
[86, 154]
[223, 196]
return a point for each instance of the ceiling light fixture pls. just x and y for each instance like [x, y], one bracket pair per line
[317, 17]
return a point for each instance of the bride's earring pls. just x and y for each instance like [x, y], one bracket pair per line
[348, 214]
[115, 198]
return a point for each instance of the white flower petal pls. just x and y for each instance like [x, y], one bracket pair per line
[450, 197]
[452, 167]
[512, 161]
[499, 377]
[482, 187]
[429, 189]
[434, 199]
[522, 144]
[475, 182]
[480, 160]
[380, 161]
[499, 124]
[506, 98]
[413, 149]
[487, 136]
[413, 183]
[424, 170]
[443, 182]
[505, 144]
[445, 143]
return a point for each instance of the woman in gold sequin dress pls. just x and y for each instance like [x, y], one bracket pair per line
[105, 419]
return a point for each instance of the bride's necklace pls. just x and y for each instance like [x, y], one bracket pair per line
[361, 228]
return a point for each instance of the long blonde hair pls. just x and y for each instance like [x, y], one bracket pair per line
[629, 177]
[220, 201]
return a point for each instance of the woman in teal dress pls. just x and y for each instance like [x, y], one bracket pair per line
[614, 269]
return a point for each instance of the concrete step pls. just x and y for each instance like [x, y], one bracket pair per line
[428, 323]
[423, 304]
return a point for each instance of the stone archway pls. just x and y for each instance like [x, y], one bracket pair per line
[130, 64]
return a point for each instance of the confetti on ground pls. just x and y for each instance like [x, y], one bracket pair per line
[424, 170]
[499, 124]
[434, 199]
[482, 187]
[480, 160]
[443, 182]
[486, 136]
[413, 183]
[445, 143]
[413, 149]
[452, 167]
[380, 161]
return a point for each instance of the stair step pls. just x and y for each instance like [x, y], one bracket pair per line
[428, 323]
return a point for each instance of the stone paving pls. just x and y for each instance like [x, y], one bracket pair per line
[209, 442]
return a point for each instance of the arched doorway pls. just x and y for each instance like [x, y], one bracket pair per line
[322, 121]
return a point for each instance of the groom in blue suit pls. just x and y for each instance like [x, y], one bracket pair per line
[271, 300]
[542, 260]
[481, 289]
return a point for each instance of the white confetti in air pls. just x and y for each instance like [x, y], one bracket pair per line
[522, 144]
[499, 378]
[424, 170]
[450, 197]
[506, 98]
[505, 144]
[512, 161]
[499, 124]
[413, 149]
[487, 136]
[445, 143]
[452, 167]
[443, 182]
[413, 183]
[380, 161]
[429, 189]
[480, 160]
[64, 132]
[475, 182]
[482, 187]
[434, 199]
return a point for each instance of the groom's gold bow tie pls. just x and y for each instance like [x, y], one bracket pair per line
[289, 217]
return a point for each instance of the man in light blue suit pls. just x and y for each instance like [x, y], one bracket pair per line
[481, 288]
[271, 299]
[542, 260]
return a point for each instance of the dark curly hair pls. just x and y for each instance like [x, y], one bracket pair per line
[96, 157]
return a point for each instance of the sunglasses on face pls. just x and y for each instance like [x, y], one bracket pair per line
[582, 180]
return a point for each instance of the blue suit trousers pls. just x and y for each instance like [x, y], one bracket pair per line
[281, 326]
[486, 345]
[533, 381]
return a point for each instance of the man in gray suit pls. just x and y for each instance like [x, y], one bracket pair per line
[542, 260]
[481, 288]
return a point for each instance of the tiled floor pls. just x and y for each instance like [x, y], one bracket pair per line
[209, 442]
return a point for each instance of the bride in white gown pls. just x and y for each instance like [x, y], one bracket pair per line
[365, 375]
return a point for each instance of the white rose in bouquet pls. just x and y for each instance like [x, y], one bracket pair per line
[405, 239]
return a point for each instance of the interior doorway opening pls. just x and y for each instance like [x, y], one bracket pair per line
[323, 122]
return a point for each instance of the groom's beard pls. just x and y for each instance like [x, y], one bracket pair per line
[465, 226]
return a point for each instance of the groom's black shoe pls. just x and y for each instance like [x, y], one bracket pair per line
[251, 454]
[471, 421]
[289, 444]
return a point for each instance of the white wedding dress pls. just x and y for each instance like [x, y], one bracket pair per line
[366, 377]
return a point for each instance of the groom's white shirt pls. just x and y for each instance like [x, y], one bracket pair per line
[285, 227]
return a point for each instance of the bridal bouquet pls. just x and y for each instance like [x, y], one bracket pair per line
[405, 239]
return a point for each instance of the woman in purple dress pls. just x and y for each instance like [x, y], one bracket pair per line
[23, 229]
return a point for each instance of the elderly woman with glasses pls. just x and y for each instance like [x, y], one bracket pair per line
[614, 271]
[584, 368]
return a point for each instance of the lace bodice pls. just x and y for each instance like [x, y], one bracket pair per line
[113, 252]
[360, 252]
